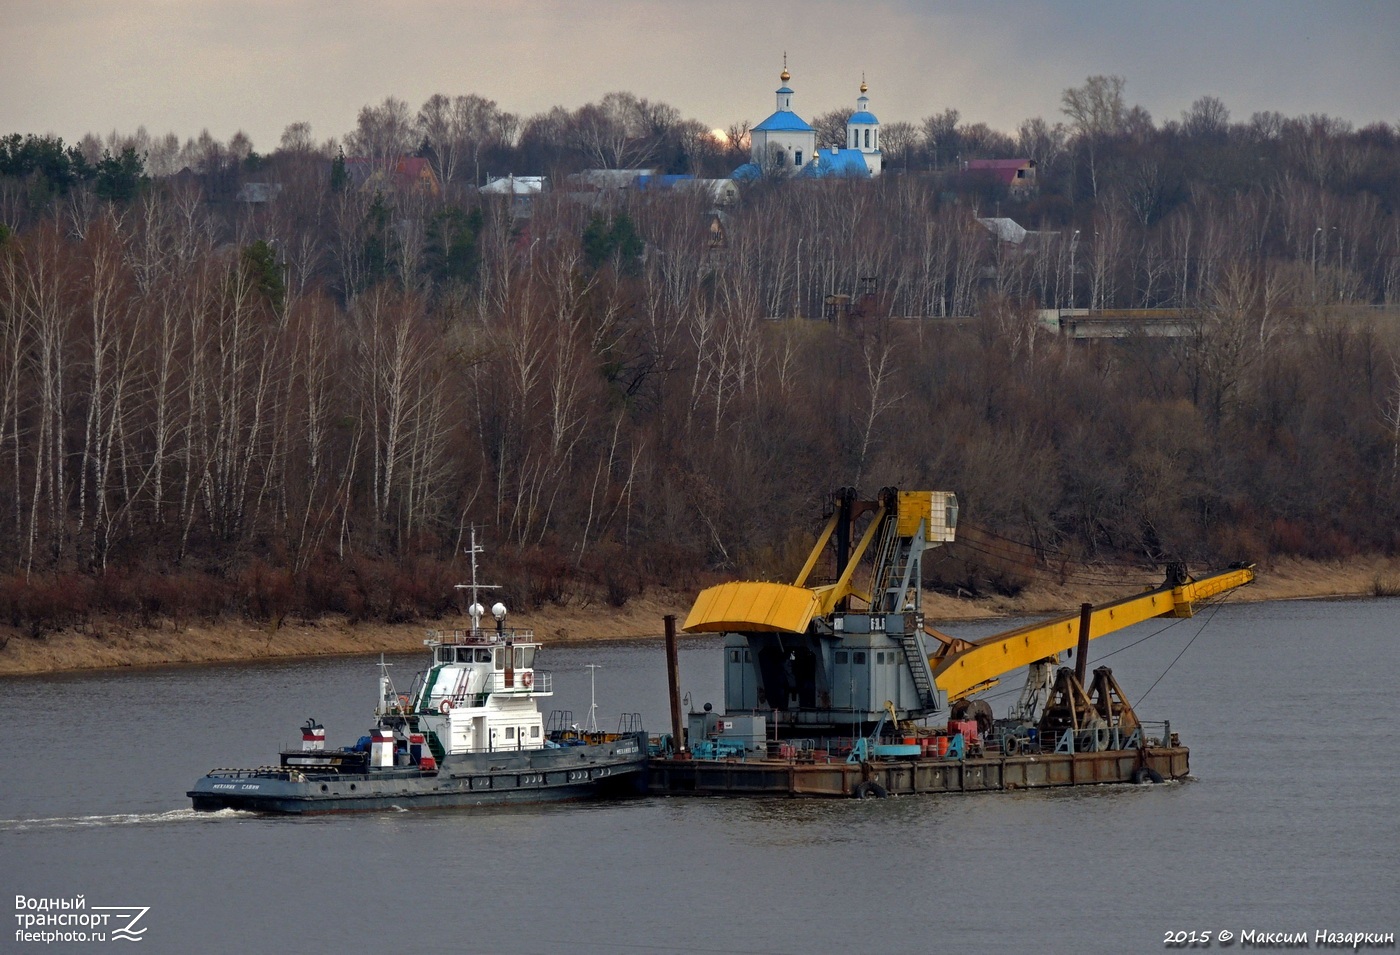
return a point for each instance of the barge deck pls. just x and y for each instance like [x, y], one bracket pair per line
[838, 778]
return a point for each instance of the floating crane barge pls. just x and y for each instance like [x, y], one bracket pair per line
[831, 690]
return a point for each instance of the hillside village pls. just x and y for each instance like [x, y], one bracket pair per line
[622, 345]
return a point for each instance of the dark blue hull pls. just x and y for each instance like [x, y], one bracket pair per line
[612, 769]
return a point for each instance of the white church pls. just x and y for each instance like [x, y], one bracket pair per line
[785, 144]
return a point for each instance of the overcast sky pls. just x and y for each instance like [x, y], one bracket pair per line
[69, 67]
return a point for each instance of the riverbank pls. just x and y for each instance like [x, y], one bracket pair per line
[106, 644]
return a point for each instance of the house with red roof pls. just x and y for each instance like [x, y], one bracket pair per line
[1017, 175]
[409, 173]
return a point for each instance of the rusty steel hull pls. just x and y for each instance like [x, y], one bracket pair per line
[775, 777]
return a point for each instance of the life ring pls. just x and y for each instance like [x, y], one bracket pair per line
[403, 704]
[444, 706]
[527, 679]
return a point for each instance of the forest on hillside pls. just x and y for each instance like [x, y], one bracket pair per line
[302, 405]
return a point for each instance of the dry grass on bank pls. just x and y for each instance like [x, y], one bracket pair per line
[104, 644]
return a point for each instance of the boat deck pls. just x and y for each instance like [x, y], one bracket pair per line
[834, 777]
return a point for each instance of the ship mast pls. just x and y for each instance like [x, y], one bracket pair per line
[476, 611]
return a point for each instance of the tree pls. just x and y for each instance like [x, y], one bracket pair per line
[240, 147]
[831, 127]
[621, 131]
[1206, 119]
[1096, 109]
[57, 167]
[616, 241]
[383, 134]
[119, 178]
[339, 177]
[1097, 113]
[697, 151]
[453, 251]
[296, 139]
[1038, 140]
[459, 127]
[941, 136]
[737, 143]
[897, 142]
[266, 273]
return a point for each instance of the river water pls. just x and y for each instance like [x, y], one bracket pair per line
[1290, 823]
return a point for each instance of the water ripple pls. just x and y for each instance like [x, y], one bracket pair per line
[122, 819]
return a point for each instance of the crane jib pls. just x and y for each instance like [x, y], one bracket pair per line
[959, 672]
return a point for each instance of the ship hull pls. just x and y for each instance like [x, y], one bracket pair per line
[612, 769]
[839, 778]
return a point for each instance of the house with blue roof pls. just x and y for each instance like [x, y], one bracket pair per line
[785, 144]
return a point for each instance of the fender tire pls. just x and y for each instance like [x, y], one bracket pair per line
[869, 790]
[1146, 774]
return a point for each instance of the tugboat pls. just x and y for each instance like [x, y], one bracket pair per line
[468, 733]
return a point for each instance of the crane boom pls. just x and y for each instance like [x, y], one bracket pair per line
[958, 672]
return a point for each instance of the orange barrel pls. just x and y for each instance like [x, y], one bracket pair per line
[942, 746]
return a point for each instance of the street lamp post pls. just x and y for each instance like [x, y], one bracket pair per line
[1316, 233]
[1073, 244]
[1096, 298]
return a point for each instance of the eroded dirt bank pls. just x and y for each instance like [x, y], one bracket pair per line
[109, 644]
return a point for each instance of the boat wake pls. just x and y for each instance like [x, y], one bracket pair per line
[122, 819]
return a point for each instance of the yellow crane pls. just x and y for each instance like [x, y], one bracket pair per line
[963, 668]
[824, 657]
